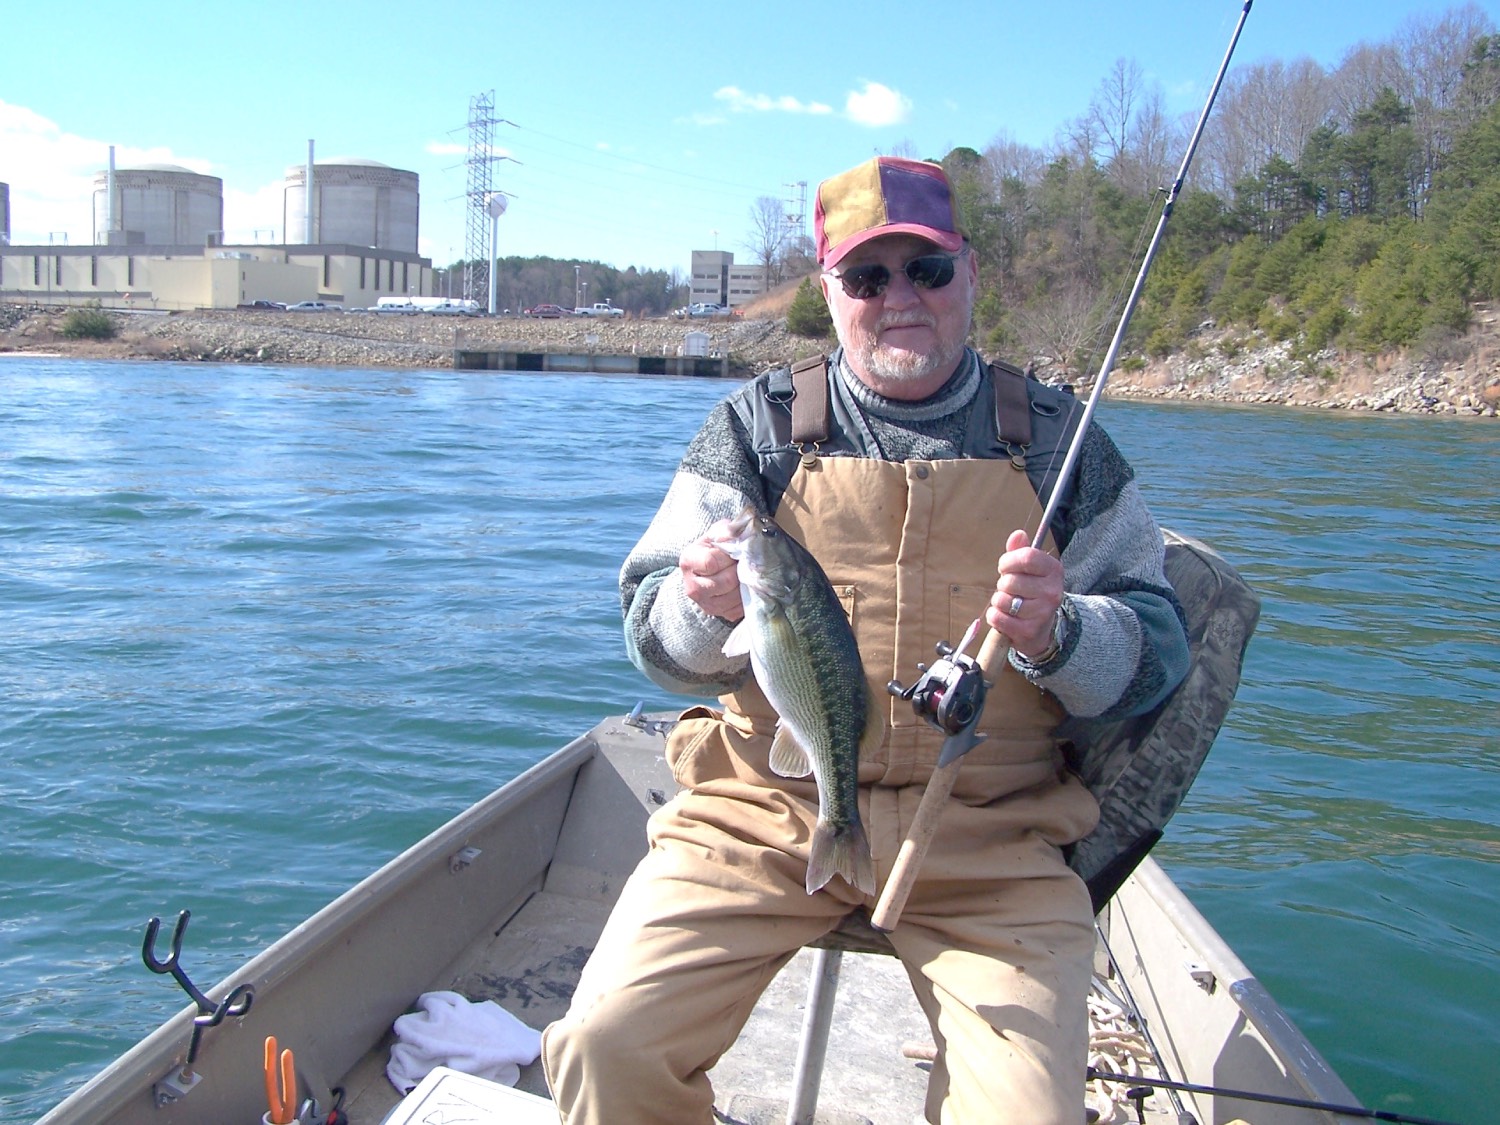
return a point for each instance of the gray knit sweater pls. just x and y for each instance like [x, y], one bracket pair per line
[1125, 649]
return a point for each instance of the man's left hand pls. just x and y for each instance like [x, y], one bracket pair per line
[1027, 596]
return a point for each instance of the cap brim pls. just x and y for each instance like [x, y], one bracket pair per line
[948, 240]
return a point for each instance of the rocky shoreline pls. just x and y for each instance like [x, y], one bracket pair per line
[1463, 379]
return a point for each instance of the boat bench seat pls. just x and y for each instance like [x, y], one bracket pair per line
[855, 934]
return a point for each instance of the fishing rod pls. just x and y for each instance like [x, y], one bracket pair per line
[959, 676]
[1138, 1082]
[1135, 291]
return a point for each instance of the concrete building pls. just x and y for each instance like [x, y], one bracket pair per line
[159, 244]
[175, 278]
[717, 280]
[360, 202]
[4, 214]
[157, 205]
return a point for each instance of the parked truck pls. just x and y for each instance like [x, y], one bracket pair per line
[599, 308]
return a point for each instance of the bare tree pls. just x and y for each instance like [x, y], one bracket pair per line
[1154, 139]
[1266, 110]
[1112, 110]
[1434, 51]
[1063, 330]
[1010, 159]
[1015, 171]
[1077, 140]
[769, 233]
[1364, 72]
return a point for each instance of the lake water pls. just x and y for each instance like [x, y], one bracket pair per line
[266, 627]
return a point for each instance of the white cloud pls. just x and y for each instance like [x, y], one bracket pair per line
[740, 102]
[51, 175]
[877, 105]
[873, 105]
[256, 216]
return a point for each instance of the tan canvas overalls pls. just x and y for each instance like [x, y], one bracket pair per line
[997, 933]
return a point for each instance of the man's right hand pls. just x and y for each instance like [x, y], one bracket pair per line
[710, 577]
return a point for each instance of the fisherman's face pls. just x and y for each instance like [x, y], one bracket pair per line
[906, 342]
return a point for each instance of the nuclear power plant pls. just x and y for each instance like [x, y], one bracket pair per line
[157, 205]
[158, 242]
[356, 201]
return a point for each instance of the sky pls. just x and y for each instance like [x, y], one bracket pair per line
[629, 133]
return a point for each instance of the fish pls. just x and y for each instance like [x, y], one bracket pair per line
[804, 656]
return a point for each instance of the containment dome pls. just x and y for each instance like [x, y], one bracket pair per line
[358, 202]
[158, 205]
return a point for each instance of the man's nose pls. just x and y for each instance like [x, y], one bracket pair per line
[900, 293]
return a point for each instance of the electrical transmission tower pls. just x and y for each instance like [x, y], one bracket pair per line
[796, 213]
[482, 122]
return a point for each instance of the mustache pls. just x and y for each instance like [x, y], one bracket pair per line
[905, 320]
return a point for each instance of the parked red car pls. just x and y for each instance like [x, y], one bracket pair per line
[549, 312]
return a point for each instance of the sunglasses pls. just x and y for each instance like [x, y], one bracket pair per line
[927, 271]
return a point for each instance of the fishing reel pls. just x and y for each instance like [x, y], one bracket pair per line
[949, 695]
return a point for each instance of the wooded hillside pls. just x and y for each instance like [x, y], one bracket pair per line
[1356, 207]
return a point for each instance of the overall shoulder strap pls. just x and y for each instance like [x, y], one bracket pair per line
[1012, 404]
[810, 400]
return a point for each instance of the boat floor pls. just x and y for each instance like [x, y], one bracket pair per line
[531, 968]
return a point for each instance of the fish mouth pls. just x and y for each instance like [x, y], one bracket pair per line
[733, 541]
[741, 523]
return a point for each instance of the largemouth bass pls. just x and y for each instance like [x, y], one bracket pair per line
[802, 650]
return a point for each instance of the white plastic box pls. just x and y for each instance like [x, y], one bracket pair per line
[452, 1096]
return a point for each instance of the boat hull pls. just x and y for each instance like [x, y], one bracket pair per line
[505, 902]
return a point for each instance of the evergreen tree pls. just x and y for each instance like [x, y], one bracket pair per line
[808, 314]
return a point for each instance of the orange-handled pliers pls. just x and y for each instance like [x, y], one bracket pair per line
[281, 1085]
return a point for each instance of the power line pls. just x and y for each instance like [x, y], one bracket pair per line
[595, 150]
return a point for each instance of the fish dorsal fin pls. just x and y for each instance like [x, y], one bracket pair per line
[738, 642]
[788, 759]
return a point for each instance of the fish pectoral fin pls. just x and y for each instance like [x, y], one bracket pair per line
[738, 641]
[788, 759]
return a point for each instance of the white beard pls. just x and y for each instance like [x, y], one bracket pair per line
[898, 366]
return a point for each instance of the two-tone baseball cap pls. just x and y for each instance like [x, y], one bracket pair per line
[886, 195]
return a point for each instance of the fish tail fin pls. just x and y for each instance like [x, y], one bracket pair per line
[843, 852]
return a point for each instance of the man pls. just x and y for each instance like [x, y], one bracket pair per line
[914, 494]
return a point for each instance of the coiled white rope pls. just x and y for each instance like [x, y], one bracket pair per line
[1117, 1046]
